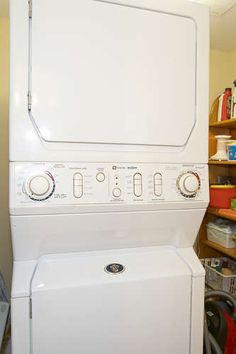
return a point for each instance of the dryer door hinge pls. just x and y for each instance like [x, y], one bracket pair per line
[29, 101]
[30, 8]
[30, 308]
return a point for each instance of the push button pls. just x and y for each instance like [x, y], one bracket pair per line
[158, 184]
[116, 192]
[137, 184]
[100, 177]
[78, 185]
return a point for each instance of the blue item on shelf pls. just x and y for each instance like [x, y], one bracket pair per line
[232, 151]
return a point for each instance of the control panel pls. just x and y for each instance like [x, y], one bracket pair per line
[107, 183]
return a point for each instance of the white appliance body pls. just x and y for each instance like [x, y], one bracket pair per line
[108, 175]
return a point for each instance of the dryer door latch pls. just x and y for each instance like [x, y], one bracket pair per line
[29, 96]
[30, 8]
[30, 308]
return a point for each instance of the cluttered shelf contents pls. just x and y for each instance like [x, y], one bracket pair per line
[221, 274]
[221, 231]
[220, 221]
[222, 127]
[227, 214]
[217, 233]
[218, 237]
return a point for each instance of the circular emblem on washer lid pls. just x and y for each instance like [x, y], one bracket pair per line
[114, 268]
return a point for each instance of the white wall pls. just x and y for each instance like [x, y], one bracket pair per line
[5, 241]
[222, 71]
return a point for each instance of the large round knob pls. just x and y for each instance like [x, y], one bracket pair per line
[40, 186]
[188, 184]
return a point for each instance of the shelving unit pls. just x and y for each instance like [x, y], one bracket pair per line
[228, 124]
[212, 162]
[216, 212]
[218, 168]
[230, 252]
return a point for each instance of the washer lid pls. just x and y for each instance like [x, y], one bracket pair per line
[90, 268]
[74, 299]
[110, 73]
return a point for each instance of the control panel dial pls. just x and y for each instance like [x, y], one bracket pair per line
[188, 184]
[40, 186]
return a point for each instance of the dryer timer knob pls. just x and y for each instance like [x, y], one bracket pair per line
[40, 186]
[188, 184]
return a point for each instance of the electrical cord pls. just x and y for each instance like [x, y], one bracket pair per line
[214, 345]
[207, 342]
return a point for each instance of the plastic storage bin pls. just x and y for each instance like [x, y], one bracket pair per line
[222, 232]
[221, 195]
[215, 279]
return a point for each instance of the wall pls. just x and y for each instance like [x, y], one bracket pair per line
[232, 64]
[5, 241]
[222, 71]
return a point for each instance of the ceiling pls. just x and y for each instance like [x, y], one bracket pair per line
[223, 22]
[217, 7]
[223, 29]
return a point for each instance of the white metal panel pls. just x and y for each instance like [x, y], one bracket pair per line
[78, 307]
[34, 236]
[98, 196]
[21, 278]
[197, 304]
[110, 73]
[23, 133]
[197, 319]
[20, 330]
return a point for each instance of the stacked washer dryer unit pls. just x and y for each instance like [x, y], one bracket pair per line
[108, 175]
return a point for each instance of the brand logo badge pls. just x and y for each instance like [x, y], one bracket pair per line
[115, 268]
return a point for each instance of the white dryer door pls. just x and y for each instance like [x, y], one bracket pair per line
[79, 307]
[111, 73]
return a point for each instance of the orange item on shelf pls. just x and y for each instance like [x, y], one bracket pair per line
[228, 212]
[221, 195]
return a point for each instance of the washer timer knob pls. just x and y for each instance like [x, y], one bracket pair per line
[188, 184]
[40, 186]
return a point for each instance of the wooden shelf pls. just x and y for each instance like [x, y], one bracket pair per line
[216, 212]
[231, 252]
[216, 168]
[212, 162]
[227, 124]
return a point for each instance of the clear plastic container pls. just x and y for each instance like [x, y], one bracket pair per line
[222, 232]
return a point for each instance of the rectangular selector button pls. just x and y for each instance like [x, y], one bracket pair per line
[158, 184]
[137, 184]
[78, 185]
